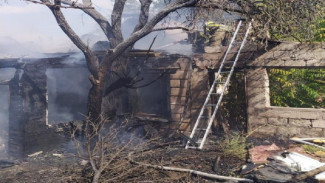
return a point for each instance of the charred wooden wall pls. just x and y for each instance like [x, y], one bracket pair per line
[38, 135]
[16, 116]
[28, 128]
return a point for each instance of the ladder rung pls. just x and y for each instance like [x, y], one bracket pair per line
[199, 141]
[192, 147]
[232, 61]
[240, 33]
[215, 93]
[217, 82]
[201, 129]
[211, 105]
[204, 116]
[224, 72]
[237, 43]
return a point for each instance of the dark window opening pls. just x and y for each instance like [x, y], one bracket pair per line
[233, 106]
[67, 94]
[151, 99]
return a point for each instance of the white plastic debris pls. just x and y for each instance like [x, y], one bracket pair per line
[301, 163]
[83, 162]
[35, 154]
[57, 155]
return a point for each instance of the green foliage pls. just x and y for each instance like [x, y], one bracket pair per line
[297, 87]
[235, 146]
[289, 19]
[233, 108]
[311, 149]
[320, 31]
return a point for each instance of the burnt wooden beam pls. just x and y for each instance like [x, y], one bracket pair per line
[55, 62]
[131, 53]
[63, 61]
[4, 82]
[150, 117]
[10, 63]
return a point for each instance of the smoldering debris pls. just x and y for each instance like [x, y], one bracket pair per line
[6, 164]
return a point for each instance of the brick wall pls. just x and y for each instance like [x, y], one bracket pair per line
[266, 120]
[292, 54]
[178, 92]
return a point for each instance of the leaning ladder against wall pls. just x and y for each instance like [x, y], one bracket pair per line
[204, 121]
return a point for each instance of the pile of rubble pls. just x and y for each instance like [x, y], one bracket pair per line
[303, 161]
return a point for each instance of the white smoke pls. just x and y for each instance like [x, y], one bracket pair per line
[67, 94]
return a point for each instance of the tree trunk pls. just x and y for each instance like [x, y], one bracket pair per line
[95, 102]
[108, 94]
[95, 96]
[115, 94]
[96, 176]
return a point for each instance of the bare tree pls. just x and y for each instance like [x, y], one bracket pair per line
[270, 15]
[104, 148]
[100, 69]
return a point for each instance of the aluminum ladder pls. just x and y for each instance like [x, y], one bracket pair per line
[220, 84]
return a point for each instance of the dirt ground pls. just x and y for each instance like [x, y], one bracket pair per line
[43, 168]
[61, 166]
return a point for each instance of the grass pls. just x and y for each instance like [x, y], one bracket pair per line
[311, 149]
[235, 146]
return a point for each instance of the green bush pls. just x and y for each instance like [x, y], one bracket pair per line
[235, 146]
[297, 87]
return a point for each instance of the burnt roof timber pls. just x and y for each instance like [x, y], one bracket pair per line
[55, 62]
[5, 82]
[58, 62]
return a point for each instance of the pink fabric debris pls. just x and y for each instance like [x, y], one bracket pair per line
[259, 154]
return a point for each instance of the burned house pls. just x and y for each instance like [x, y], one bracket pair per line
[42, 93]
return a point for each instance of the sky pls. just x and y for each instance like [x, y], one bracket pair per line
[30, 29]
[28, 22]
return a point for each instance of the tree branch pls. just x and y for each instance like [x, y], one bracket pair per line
[171, 28]
[116, 22]
[145, 61]
[226, 8]
[98, 17]
[190, 171]
[310, 173]
[71, 5]
[91, 59]
[144, 14]
[146, 84]
[108, 61]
